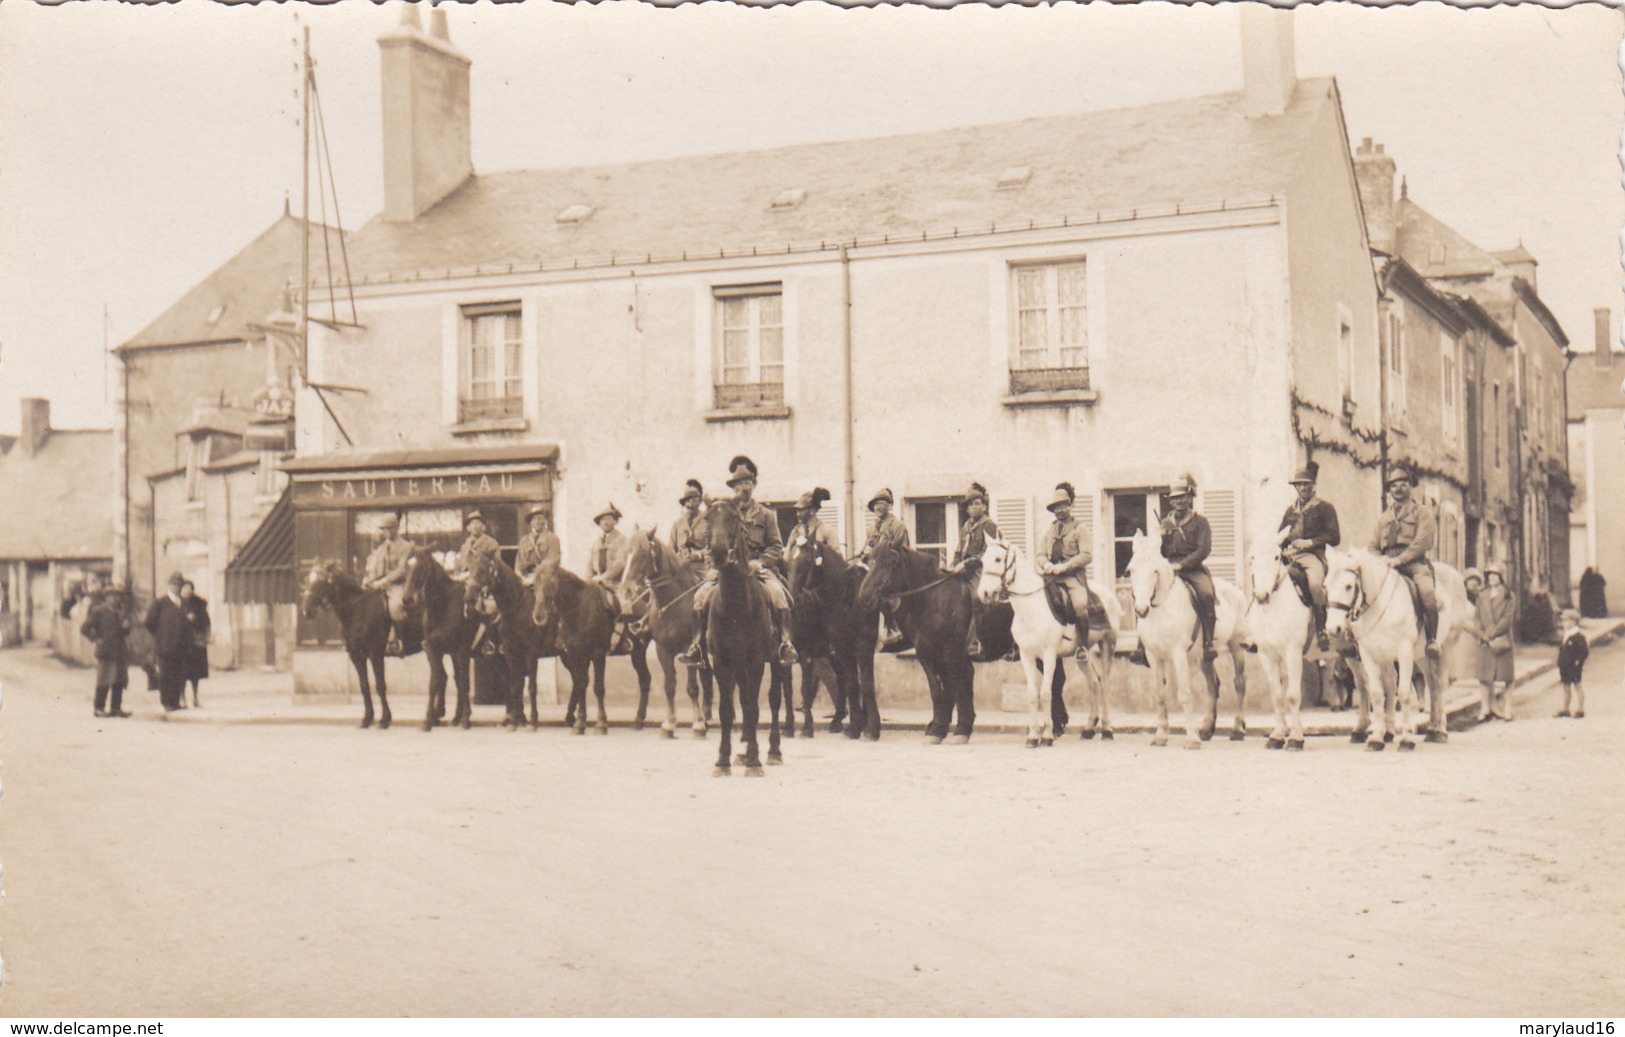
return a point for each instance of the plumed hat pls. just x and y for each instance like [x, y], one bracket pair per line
[692, 490]
[814, 498]
[1308, 473]
[611, 509]
[1067, 488]
[1184, 486]
[976, 492]
[740, 469]
[884, 494]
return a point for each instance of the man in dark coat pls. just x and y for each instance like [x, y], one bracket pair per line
[1307, 529]
[108, 625]
[1187, 540]
[172, 641]
[967, 560]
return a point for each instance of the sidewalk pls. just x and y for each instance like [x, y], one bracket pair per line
[256, 697]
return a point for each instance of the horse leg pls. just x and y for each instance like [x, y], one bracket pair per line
[359, 661]
[1059, 717]
[962, 672]
[1032, 671]
[941, 705]
[1194, 732]
[1272, 661]
[383, 691]
[668, 684]
[1210, 684]
[1292, 694]
[640, 665]
[778, 696]
[1405, 692]
[1376, 679]
[578, 671]
[865, 702]
[437, 688]
[1161, 679]
[809, 693]
[750, 702]
[1238, 727]
[459, 675]
[725, 718]
[1100, 675]
[599, 664]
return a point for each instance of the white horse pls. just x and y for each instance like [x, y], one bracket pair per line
[1169, 630]
[1278, 624]
[1044, 642]
[1368, 597]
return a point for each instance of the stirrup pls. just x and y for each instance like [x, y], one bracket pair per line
[787, 654]
[395, 648]
[973, 648]
[693, 655]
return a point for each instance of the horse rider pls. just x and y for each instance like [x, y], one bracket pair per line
[386, 571]
[766, 549]
[1405, 536]
[688, 539]
[606, 563]
[889, 532]
[1187, 540]
[967, 560]
[1307, 529]
[1063, 559]
[476, 545]
[811, 529]
[538, 549]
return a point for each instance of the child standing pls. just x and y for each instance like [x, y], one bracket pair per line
[1571, 661]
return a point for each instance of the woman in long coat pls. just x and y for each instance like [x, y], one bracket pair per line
[1493, 614]
[197, 660]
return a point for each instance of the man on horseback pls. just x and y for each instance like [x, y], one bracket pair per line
[386, 571]
[889, 532]
[808, 525]
[1063, 559]
[688, 537]
[765, 548]
[1307, 529]
[1405, 536]
[967, 560]
[476, 545]
[1187, 540]
[538, 549]
[605, 565]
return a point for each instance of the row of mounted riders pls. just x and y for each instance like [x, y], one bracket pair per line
[1006, 602]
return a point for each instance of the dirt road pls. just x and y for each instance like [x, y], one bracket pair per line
[167, 869]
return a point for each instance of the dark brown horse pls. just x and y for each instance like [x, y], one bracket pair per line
[659, 590]
[739, 641]
[522, 641]
[448, 631]
[933, 610]
[364, 618]
[579, 619]
[826, 623]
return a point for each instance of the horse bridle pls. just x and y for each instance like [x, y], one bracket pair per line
[1353, 607]
[656, 578]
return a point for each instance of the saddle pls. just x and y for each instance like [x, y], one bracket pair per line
[1061, 607]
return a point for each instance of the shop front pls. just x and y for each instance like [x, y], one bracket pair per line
[340, 502]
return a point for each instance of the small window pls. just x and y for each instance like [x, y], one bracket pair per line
[492, 363]
[1051, 328]
[936, 526]
[750, 354]
[1131, 513]
[1396, 365]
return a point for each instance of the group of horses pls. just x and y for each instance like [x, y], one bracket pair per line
[835, 620]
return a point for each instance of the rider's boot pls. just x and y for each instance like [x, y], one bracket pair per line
[1082, 631]
[1430, 624]
[694, 654]
[973, 641]
[394, 646]
[1207, 614]
[890, 637]
[1323, 642]
[787, 651]
[1138, 656]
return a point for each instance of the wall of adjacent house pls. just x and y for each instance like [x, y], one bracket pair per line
[1544, 444]
[1598, 539]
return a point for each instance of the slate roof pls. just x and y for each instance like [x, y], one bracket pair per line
[1193, 152]
[58, 502]
[247, 287]
[1592, 387]
[1418, 233]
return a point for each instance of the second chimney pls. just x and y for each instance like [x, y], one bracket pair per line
[428, 149]
[1269, 64]
[1374, 174]
[1604, 355]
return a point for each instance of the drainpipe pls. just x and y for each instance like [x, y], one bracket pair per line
[846, 380]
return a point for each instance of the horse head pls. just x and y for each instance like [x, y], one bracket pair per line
[643, 567]
[999, 562]
[726, 534]
[418, 564]
[545, 596]
[1266, 568]
[1147, 570]
[809, 565]
[886, 577]
[318, 589]
[1343, 589]
[482, 576]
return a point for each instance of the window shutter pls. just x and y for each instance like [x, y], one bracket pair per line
[1220, 508]
[1083, 510]
[830, 516]
[1011, 515]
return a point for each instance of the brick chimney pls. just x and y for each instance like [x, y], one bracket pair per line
[1604, 355]
[1374, 171]
[1269, 66]
[427, 139]
[34, 425]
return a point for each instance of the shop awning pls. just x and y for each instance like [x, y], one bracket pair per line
[262, 573]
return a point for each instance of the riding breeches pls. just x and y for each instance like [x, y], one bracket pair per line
[395, 594]
[1314, 571]
[776, 594]
[1204, 598]
[1420, 573]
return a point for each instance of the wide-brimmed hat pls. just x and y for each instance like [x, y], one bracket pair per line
[813, 498]
[1472, 574]
[176, 579]
[534, 510]
[692, 490]
[1058, 499]
[1402, 474]
[610, 510]
[740, 469]
[884, 494]
[1184, 486]
[471, 516]
[1496, 569]
[1306, 474]
[977, 492]
[390, 521]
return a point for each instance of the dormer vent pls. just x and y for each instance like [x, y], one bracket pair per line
[788, 198]
[574, 214]
[1015, 177]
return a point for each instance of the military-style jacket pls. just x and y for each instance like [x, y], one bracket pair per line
[889, 532]
[1063, 547]
[1315, 522]
[537, 551]
[387, 563]
[609, 554]
[107, 625]
[689, 539]
[762, 535]
[1404, 533]
[814, 531]
[1187, 544]
[973, 542]
[473, 548]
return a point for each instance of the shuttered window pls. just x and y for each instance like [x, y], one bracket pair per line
[830, 516]
[1012, 516]
[1220, 508]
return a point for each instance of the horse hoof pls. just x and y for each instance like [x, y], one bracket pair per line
[755, 772]
[637, 725]
[601, 729]
[1238, 734]
[1106, 735]
[1193, 743]
[1359, 737]
[835, 727]
[1388, 736]
[1274, 743]
[1375, 746]
[699, 732]
[1032, 743]
[853, 734]
[1204, 734]
[721, 771]
[807, 732]
[959, 739]
[428, 725]
[1406, 745]
[933, 739]
[667, 732]
[774, 759]
[871, 736]
[578, 730]
[1438, 737]
[1087, 733]
[366, 722]
[1060, 729]
[1046, 742]
[466, 724]
[1294, 745]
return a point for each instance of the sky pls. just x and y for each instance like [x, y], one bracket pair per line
[141, 147]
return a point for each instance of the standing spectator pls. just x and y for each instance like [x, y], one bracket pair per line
[1593, 595]
[1492, 625]
[1571, 661]
[172, 643]
[1473, 581]
[107, 623]
[197, 617]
